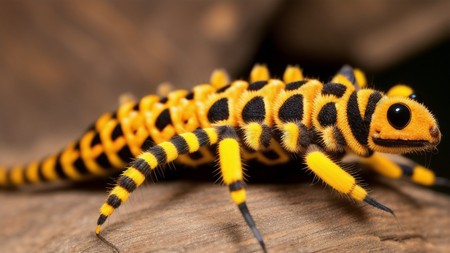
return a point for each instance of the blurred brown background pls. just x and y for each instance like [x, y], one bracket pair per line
[63, 63]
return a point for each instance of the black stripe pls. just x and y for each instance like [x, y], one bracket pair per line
[355, 121]
[295, 85]
[223, 89]
[24, 173]
[101, 219]
[159, 153]
[117, 132]
[227, 132]
[136, 106]
[96, 140]
[218, 111]
[8, 176]
[76, 146]
[41, 172]
[306, 135]
[164, 100]
[202, 137]
[256, 85]
[266, 136]
[147, 143]
[142, 166]
[292, 109]
[270, 155]
[197, 155]
[80, 166]
[113, 201]
[327, 115]
[407, 170]
[114, 115]
[125, 154]
[339, 137]
[335, 89]
[103, 161]
[371, 105]
[254, 110]
[190, 96]
[236, 186]
[126, 183]
[163, 119]
[180, 144]
[58, 167]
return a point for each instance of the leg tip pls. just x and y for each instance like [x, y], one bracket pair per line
[378, 205]
[441, 181]
[101, 238]
[97, 230]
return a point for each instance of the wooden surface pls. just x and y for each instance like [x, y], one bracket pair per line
[190, 216]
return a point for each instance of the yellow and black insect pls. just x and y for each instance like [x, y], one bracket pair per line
[268, 120]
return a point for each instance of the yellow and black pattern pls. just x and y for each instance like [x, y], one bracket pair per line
[264, 119]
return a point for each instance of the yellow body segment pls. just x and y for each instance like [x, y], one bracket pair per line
[48, 169]
[212, 134]
[423, 176]
[333, 175]
[171, 151]
[290, 138]
[121, 193]
[111, 147]
[259, 73]
[150, 159]
[102, 120]
[32, 173]
[239, 196]
[89, 154]
[400, 90]
[253, 133]
[135, 175]
[230, 164]
[339, 78]
[68, 158]
[219, 78]
[360, 78]
[17, 175]
[192, 141]
[106, 209]
[3, 173]
[384, 166]
[292, 74]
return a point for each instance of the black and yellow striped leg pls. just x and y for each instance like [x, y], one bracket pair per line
[155, 156]
[397, 166]
[232, 175]
[336, 177]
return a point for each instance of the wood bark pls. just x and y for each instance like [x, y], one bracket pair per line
[192, 216]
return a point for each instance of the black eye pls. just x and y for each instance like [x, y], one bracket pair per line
[399, 115]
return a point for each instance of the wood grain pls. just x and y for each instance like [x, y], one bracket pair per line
[191, 216]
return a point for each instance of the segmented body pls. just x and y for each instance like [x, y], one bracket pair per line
[264, 119]
[117, 137]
